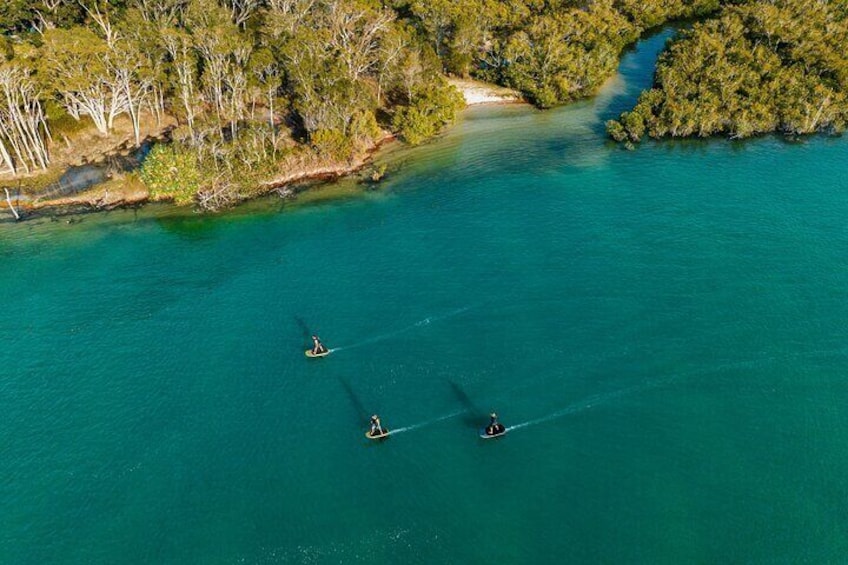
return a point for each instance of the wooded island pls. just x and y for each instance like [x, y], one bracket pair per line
[244, 93]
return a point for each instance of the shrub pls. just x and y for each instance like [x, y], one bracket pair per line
[332, 143]
[432, 107]
[172, 172]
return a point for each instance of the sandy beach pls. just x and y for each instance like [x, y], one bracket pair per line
[478, 92]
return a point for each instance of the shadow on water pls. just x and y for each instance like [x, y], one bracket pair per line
[472, 416]
[304, 328]
[362, 415]
[188, 225]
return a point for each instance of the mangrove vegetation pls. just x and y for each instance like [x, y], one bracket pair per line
[760, 66]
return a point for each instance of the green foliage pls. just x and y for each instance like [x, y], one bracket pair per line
[21, 16]
[336, 144]
[616, 130]
[432, 108]
[652, 14]
[60, 122]
[553, 51]
[16, 15]
[634, 123]
[762, 66]
[244, 80]
[332, 143]
[561, 57]
[74, 65]
[172, 172]
[7, 49]
[414, 124]
[363, 128]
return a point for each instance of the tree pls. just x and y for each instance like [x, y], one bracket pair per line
[172, 173]
[16, 15]
[242, 10]
[161, 13]
[767, 65]
[328, 71]
[224, 53]
[433, 106]
[134, 62]
[23, 128]
[183, 71]
[265, 77]
[76, 62]
[355, 34]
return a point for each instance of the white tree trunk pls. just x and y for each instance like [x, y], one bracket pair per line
[6, 159]
[11, 207]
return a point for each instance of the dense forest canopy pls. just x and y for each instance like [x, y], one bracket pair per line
[553, 51]
[256, 87]
[253, 85]
[761, 66]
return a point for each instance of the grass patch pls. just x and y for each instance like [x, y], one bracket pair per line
[33, 185]
[61, 122]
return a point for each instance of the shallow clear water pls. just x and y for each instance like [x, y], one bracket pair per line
[664, 328]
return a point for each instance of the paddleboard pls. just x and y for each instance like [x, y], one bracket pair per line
[381, 436]
[310, 354]
[484, 435]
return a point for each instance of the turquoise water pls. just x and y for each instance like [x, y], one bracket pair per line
[664, 328]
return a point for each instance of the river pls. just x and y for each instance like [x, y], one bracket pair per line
[662, 330]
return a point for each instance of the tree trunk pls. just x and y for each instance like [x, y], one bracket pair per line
[11, 207]
[6, 158]
[271, 120]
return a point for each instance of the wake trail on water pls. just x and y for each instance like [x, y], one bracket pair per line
[595, 400]
[427, 423]
[602, 398]
[420, 323]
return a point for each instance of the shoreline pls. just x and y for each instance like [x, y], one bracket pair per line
[327, 171]
[479, 93]
[121, 192]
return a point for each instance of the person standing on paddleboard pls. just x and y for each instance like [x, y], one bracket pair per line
[376, 427]
[494, 426]
[317, 346]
